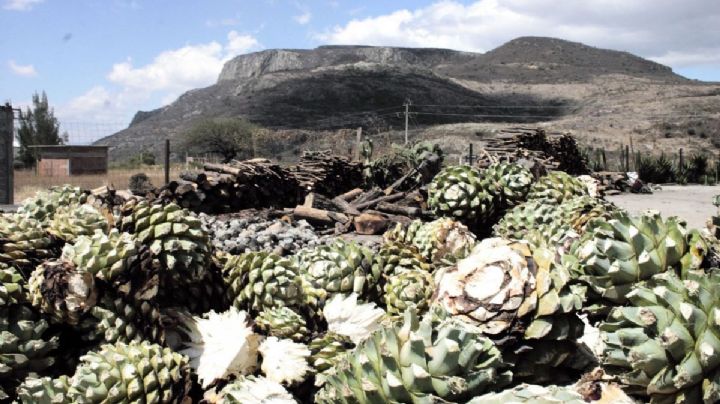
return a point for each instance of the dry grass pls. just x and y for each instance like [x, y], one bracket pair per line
[27, 182]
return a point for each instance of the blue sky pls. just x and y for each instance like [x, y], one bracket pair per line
[100, 61]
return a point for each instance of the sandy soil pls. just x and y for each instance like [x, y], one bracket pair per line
[692, 202]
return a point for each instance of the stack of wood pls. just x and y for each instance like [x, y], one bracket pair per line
[554, 151]
[327, 174]
[370, 212]
[225, 188]
[259, 183]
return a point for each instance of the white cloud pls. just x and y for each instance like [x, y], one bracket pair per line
[22, 70]
[131, 87]
[679, 33]
[239, 44]
[20, 5]
[303, 18]
[95, 99]
[172, 70]
[182, 69]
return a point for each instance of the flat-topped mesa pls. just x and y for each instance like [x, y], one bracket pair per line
[275, 60]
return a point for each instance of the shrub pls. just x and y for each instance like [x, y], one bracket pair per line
[697, 167]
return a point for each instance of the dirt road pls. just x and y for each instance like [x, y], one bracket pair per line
[691, 202]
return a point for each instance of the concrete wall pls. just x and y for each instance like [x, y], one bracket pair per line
[6, 154]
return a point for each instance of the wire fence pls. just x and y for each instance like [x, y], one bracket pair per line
[384, 126]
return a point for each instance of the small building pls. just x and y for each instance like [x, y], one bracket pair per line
[64, 160]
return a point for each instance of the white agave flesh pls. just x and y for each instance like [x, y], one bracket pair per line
[591, 184]
[356, 321]
[284, 360]
[258, 390]
[493, 279]
[220, 345]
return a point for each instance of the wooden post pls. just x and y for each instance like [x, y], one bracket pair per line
[358, 143]
[627, 158]
[681, 161]
[6, 155]
[604, 159]
[167, 161]
[470, 155]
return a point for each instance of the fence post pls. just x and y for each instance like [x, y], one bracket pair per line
[6, 154]
[681, 161]
[627, 158]
[470, 155]
[358, 143]
[167, 161]
[604, 159]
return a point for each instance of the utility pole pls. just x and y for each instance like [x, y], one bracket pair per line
[407, 110]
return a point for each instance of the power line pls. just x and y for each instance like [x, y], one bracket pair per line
[495, 106]
[487, 115]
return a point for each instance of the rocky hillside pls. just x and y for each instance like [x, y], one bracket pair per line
[334, 87]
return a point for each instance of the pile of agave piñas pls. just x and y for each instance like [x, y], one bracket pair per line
[521, 289]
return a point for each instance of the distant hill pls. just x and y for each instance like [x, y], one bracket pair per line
[348, 86]
[538, 60]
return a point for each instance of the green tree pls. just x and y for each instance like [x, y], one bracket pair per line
[227, 137]
[38, 126]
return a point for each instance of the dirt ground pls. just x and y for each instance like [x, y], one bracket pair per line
[691, 202]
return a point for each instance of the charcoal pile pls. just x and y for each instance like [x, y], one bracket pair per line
[554, 151]
[237, 235]
[327, 174]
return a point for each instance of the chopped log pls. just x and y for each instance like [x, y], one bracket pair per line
[344, 206]
[366, 196]
[320, 216]
[350, 195]
[369, 223]
[388, 198]
[402, 210]
[317, 201]
[338, 217]
[103, 190]
[389, 190]
[222, 168]
[309, 200]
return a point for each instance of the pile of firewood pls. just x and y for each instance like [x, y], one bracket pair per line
[223, 188]
[259, 183]
[327, 174]
[369, 212]
[554, 151]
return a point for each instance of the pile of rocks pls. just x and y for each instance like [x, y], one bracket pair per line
[237, 235]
